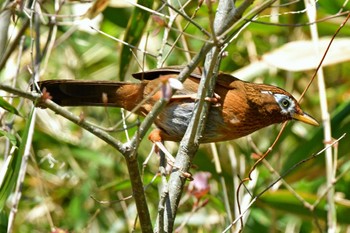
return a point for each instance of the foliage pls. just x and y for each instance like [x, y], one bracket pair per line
[76, 182]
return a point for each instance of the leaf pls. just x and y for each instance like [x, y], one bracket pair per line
[283, 200]
[3, 221]
[315, 167]
[302, 55]
[12, 165]
[8, 107]
[133, 34]
[10, 136]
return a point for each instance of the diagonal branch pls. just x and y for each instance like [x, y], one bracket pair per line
[225, 17]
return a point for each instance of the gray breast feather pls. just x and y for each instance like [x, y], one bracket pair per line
[175, 120]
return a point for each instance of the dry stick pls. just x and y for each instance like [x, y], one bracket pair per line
[146, 124]
[300, 24]
[123, 42]
[234, 19]
[164, 192]
[253, 168]
[218, 170]
[188, 19]
[149, 119]
[324, 55]
[31, 126]
[327, 134]
[289, 188]
[11, 122]
[281, 177]
[128, 150]
[302, 95]
[162, 58]
[180, 36]
[188, 145]
[153, 12]
[272, 170]
[14, 44]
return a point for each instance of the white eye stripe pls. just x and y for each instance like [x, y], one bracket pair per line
[266, 92]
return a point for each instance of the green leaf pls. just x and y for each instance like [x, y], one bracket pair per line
[8, 107]
[3, 222]
[12, 165]
[133, 34]
[10, 136]
[117, 186]
[340, 124]
[8, 176]
[283, 200]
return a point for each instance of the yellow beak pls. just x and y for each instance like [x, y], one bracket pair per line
[306, 118]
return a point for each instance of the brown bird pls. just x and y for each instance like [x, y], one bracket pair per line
[241, 108]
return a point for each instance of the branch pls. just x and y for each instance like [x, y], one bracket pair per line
[128, 152]
[225, 17]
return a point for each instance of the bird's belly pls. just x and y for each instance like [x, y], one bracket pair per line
[175, 118]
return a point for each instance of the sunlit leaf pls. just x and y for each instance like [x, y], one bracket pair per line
[10, 170]
[9, 136]
[285, 201]
[7, 106]
[306, 55]
[315, 168]
[133, 34]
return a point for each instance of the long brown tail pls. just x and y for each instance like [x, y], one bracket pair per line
[93, 93]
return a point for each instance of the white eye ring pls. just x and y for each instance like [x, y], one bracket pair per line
[286, 104]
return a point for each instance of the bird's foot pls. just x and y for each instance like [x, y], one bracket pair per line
[156, 138]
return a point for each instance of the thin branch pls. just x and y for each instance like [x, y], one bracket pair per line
[187, 18]
[299, 24]
[35, 97]
[313, 156]
[128, 152]
[14, 44]
[189, 143]
[123, 42]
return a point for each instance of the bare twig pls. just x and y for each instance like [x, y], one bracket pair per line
[313, 156]
[228, 14]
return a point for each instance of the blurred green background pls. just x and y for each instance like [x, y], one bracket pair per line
[68, 166]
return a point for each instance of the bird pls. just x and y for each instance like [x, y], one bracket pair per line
[239, 107]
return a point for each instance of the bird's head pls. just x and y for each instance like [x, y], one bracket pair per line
[286, 107]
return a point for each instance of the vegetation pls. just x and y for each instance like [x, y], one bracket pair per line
[63, 170]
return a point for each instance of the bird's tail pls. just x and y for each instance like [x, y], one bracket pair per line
[92, 93]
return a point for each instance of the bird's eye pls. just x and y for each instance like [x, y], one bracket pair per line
[285, 103]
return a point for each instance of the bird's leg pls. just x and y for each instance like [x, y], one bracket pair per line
[156, 138]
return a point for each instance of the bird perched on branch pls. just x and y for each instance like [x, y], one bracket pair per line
[240, 109]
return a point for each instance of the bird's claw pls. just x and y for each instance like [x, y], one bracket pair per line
[214, 100]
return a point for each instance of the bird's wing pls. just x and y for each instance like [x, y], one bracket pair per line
[227, 80]
[223, 79]
[153, 74]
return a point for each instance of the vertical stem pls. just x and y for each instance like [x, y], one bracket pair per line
[330, 169]
[138, 193]
[27, 139]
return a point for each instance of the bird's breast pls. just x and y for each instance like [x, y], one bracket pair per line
[175, 118]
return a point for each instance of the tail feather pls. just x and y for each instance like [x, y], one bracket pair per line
[91, 93]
